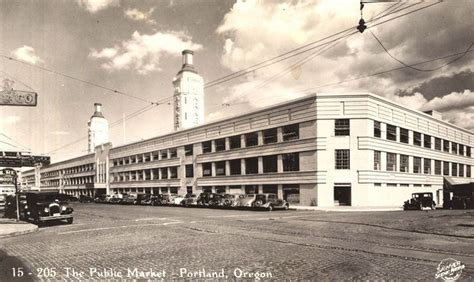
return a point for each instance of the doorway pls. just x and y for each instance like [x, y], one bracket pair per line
[342, 195]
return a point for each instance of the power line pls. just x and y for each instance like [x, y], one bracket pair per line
[290, 54]
[78, 79]
[418, 69]
[11, 139]
[386, 71]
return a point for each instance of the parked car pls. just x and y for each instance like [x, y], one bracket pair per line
[146, 199]
[190, 200]
[205, 198]
[245, 200]
[419, 201]
[129, 199]
[162, 200]
[270, 201]
[102, 198]
[179, 200]
[217, 200]
[84, 199]
[41, 207]
[229, 200]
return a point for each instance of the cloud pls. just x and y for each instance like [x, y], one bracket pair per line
[27, 54]
[140, 16]
[452, 101]
[59, 132]
[94, 6]
[274, 27]
[143, 52]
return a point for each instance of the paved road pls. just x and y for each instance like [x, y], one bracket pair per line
[109, 241]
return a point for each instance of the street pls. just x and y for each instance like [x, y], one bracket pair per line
[133, 242]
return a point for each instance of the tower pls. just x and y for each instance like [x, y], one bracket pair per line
[188, 95]
[98, 128]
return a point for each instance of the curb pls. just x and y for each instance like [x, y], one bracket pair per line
[345, 210]
[17, 233]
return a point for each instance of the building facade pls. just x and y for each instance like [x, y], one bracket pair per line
[321, 150]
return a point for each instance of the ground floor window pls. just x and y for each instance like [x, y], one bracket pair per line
[207, 189]
[291, 193]
[220, 189]
[164, 190]
[251, 189]
[174, 190]
[235, 189]
[189, 190]
[273, 189]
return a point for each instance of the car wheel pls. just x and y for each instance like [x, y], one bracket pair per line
[270, 208]
[287, 207]
[70, 220]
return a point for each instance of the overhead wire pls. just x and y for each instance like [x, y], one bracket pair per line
[11, 139]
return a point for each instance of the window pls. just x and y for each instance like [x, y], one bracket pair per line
[377, 129]
[446, 168]
[251, 139]
[155, 155]
[446, 146]
[454, 148]
[173, 190]
[416, 165]
[291, 132]
[270, 136]
[404, 164]
[438, 144]
[461, 170]
[234, 142]
[468, 151]
[468, 171]
[427, 166]
[189, 171]
[291, 193]
[417, 138]
[342, 127]
[164, 173]
[251, 166]
[270, 164]
[404, 137]
[437, 167]
[454, 169]
[461, 150]
[291, 162]
[377, 157]
[220, 144]
[427, 141]
[391, 185]
[206, 147]
[220, 168]
[189, 189]
[273, 189]
[251, 189]
[188, 150]
[207, 169]
[391, 132]
[391, 162]
[173, 153]
[342, 159]
[220, 189]
[235, 167]
[173, 172]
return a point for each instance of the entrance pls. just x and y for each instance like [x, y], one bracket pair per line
[342, 195]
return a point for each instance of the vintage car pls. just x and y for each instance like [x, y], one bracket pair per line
[83, 199]
[419, 201]
[270, 202]
[162, 200]
[145, 199]
[179, 200]
[41, 207]
[129, 199]
[102, 198]
[205, 198]
[190, 200]
[229, 200]
[245, 200]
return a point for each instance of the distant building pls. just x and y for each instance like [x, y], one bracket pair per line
[188, 95]
[323, 150]
[98, 129]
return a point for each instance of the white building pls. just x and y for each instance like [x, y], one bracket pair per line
[323, 149]
[98, 129]
[188, 95]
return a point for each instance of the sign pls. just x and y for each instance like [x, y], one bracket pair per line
[12, 97]
[17, 159]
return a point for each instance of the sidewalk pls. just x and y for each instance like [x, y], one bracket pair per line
[10, 227]
[346, 208]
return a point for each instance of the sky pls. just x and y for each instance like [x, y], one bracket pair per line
[134, 47]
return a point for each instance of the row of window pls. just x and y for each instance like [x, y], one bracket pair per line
[147, 157]
[290, 162]
[269, 136]
[146, 174]
[440, 167]
[427, 142]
